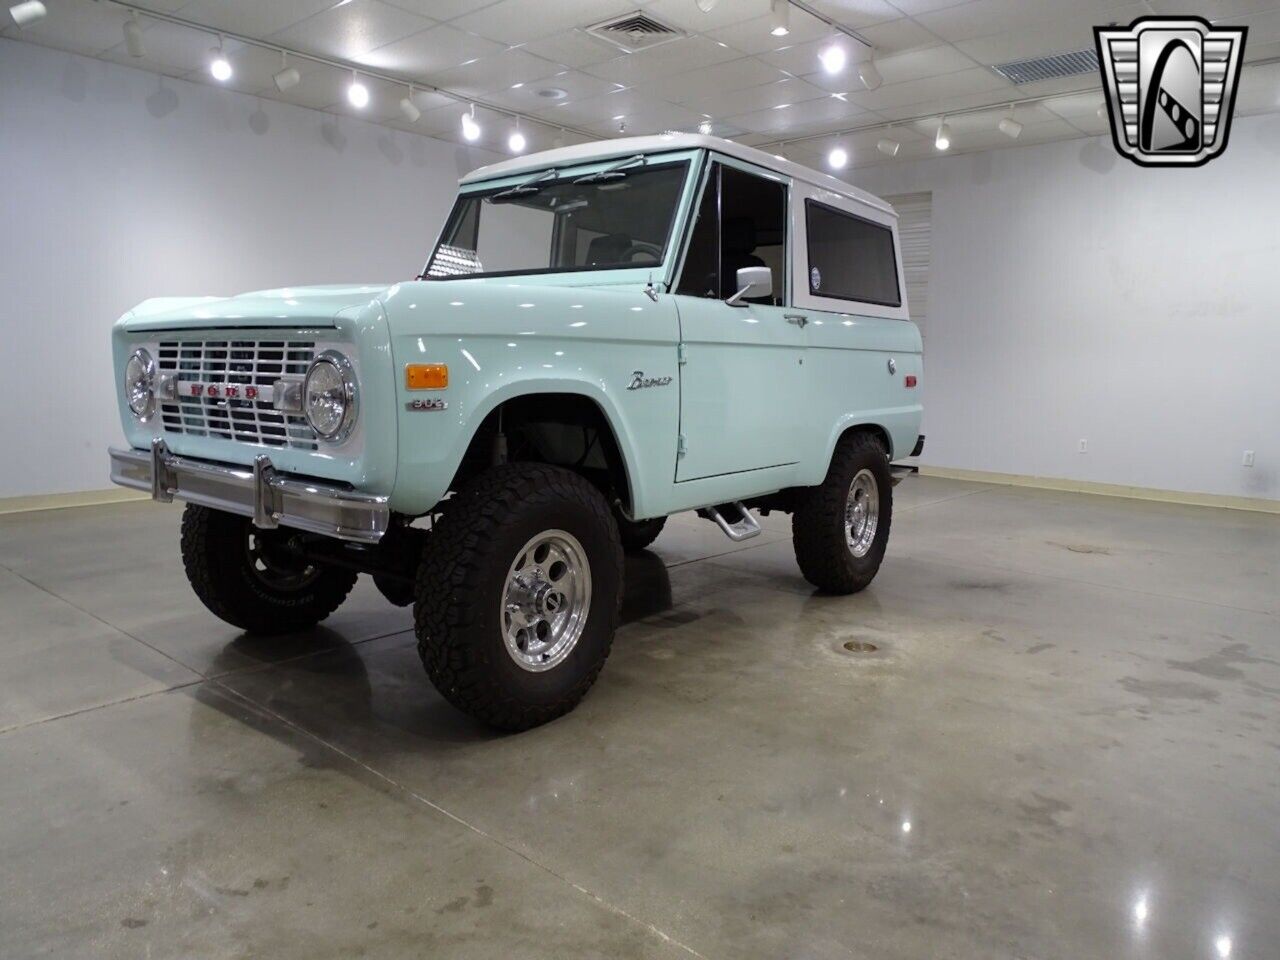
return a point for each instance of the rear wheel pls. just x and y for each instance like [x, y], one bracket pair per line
[840, 529]
[517, 595]
[251, 579]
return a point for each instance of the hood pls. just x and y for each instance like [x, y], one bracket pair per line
[285, 307]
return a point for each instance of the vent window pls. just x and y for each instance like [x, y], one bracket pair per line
[635, 31]
[1049, 68]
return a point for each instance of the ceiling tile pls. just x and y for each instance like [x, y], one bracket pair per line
[754, 36]
[598, 109]
[664, 117]
[760, 97]
[917, 64]
[985, 17]
[676, 56]
[1042, 39]
[573, 48]
[493, 73]
[798, 118]
[1075, 105]
[858, 13]
[946, 104]
[1264, 28]
[1213, 10]
[429, 52]
[252, 18]
[971, 81]
[441, 9]
[534, 95]
[915, 7]
[350, 30]
[898, 35]
[1259, 90]
[519, 21]
[735, 74]
[686, 15]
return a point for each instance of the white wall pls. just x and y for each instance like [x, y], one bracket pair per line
[116, 185]
[1076, 296]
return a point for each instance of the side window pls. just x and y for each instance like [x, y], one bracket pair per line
[850, 258]
[741, 222]
[753, 212]
[701, 274]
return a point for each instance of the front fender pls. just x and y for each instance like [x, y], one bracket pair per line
[507, 340]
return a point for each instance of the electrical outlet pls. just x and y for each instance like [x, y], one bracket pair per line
[1084, 446]
[1248, 458]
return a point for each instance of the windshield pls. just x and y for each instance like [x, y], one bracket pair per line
[554, 221]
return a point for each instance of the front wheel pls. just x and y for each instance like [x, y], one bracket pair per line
[517, 595]
[251, 579]
[840, 529]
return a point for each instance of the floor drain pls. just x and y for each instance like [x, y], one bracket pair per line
[860, 646]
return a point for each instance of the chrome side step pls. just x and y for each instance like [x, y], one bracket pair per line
[899, 472]
[744, 528]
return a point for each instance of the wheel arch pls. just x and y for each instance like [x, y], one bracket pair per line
[561, 403]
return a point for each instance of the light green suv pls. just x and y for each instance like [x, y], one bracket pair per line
[604, 335]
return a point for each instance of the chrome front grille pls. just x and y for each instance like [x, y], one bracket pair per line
[241, 364]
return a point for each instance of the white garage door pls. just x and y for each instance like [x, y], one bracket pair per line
[915, 225]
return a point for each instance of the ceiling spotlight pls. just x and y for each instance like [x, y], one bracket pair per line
[837, 158]
[516, 142]
[869, 75]
[943, 140]
[832, 58]
[357, 92]
[409, 109]
[133, 35]
[888, 146]
[288, 76]
[219, 66]
[706, 6]
[1010, 127]
[704, 128]
[470, 128]
[25, 14]
[780, 18]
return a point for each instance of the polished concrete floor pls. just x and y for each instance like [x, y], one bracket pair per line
[1056, 735]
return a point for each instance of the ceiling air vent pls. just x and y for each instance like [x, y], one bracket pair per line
[1049, 68]
[635, 31]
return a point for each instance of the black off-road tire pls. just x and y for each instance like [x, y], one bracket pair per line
[638, 534]
[215, 553]
[461, 587]
[818, 522]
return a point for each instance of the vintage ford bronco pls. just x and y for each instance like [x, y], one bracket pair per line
[604, 335]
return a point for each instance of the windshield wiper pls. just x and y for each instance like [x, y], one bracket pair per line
[527, 186]
[613, 172]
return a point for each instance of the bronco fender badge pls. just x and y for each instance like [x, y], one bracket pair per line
[639, 381]
[427, 405]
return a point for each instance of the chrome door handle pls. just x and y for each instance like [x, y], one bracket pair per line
[799, 319]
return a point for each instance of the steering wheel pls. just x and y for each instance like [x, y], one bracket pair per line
[639, 246]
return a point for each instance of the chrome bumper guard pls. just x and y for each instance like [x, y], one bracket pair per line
[269, 498]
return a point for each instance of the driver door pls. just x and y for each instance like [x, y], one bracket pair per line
[741, 380]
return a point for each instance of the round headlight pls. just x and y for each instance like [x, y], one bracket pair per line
[140, 384]
[329, 396]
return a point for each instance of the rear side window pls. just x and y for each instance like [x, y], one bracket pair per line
[850, 258]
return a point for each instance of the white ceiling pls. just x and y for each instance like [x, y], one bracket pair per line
[934, 56]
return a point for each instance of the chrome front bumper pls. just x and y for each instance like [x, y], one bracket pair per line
[259, 492]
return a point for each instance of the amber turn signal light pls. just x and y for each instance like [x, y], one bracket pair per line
[426, 376]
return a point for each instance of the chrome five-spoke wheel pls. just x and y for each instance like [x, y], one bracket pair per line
[546, 600]
[861, 513]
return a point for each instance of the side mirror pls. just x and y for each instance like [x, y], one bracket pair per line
[752, 282]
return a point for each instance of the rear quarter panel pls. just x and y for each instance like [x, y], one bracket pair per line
[849, 349]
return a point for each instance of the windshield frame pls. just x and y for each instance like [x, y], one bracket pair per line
[672, 246]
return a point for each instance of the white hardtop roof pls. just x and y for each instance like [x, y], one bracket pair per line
[665, 143]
